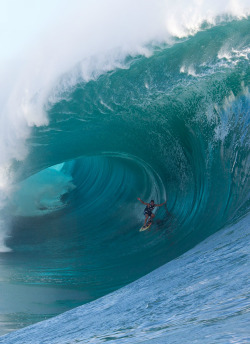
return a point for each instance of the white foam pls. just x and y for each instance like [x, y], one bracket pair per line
[233, 56]
[107, 30]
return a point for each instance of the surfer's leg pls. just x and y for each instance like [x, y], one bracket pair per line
[151, 217]
[146, 218]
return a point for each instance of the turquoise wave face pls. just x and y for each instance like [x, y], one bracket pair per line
[171, 126]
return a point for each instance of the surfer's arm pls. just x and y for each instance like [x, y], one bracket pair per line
[159, 205]
[142, 201]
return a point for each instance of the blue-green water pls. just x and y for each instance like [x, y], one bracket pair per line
[201, 297]
[171, 125]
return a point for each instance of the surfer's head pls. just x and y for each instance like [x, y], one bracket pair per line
[152, 201]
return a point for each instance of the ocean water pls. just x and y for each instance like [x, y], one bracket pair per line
[89, 125]
[200, 297]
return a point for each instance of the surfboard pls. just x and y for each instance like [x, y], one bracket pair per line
[144, 228]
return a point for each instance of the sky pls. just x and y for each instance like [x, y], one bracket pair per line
[21, 22]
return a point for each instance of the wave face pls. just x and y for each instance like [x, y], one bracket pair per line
[193, 298]
[171, 123]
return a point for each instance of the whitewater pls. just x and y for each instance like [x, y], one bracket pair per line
[104, 103]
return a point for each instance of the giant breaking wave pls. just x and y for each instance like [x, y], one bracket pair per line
[168, 120]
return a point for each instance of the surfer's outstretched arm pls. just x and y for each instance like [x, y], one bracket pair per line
[142, 201]
[159, 205]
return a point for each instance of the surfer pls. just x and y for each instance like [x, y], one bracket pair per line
[148, 210]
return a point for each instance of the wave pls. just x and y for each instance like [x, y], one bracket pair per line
[165, 116]
[201, 296]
